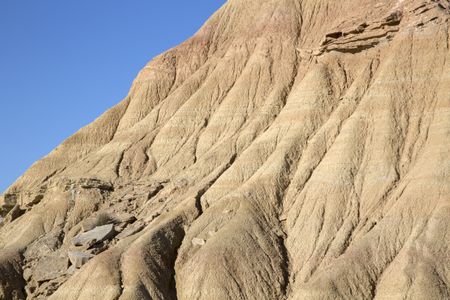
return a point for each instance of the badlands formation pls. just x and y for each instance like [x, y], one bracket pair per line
[291, 149]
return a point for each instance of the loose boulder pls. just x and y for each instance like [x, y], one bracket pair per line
[78, 259]
[98, 234]
[198, 242]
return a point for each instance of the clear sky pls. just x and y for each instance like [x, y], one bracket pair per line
[63, 63]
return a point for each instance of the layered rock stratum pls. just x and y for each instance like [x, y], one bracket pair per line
[291, 149]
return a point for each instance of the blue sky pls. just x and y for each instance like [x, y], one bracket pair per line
[63, 63]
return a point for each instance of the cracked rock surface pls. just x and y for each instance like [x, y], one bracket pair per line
[291, 149]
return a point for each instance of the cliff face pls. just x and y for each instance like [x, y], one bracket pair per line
[291, 149]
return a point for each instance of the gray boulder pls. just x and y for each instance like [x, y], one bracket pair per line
[78, 259]
[98, 234]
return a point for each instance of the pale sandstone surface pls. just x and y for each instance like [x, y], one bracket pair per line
[291, 149]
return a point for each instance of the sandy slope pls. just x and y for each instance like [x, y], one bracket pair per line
[291, 149]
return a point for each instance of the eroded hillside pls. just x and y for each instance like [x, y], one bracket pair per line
[291, 149]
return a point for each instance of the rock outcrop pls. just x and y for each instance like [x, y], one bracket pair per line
[291, 149]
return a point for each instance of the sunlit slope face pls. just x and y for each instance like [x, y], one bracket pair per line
[288, 150]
